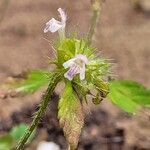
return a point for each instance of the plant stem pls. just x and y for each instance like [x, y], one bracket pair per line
[52, 84]
[96, 7]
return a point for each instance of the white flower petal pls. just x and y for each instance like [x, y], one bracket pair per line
[53, 25]
[82, 73]
[46, 29]
[62, 15]
[68, 63]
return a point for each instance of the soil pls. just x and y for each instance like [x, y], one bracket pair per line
[122, 36]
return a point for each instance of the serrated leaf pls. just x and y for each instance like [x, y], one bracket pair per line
[129, 95]
[70, 115]
[6, 142]
[32, 82]
[18, 131]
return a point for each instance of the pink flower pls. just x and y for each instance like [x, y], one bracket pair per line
[76, 65]
[54, 25]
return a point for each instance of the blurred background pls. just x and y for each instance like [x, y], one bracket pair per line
[123, 35]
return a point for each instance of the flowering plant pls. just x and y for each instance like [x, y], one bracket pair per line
[83, 73]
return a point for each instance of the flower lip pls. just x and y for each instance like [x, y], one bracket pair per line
[76, 65]
[54, 25]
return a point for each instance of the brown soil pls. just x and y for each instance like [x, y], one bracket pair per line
[123, 35]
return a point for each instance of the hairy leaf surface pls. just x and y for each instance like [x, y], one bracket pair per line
[71, 115]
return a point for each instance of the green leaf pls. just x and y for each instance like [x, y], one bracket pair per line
[6, 142]
[129, 95]
[70, 115]
[138, 92]
[33, 81]
[18, 131]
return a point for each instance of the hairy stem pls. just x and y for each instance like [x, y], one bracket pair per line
[96, 7]
[53, 82]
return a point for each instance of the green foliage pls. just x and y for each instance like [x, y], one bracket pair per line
[6, 142]
[129, 95]
[71, 115]
[96, 69]
[102, 86]
[65, 51]
[81, 90]
[18, 131]
[70, 47]
[97, 99]
[33, 81]
[9, 140]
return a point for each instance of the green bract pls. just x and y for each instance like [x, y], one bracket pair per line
[96, 69]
